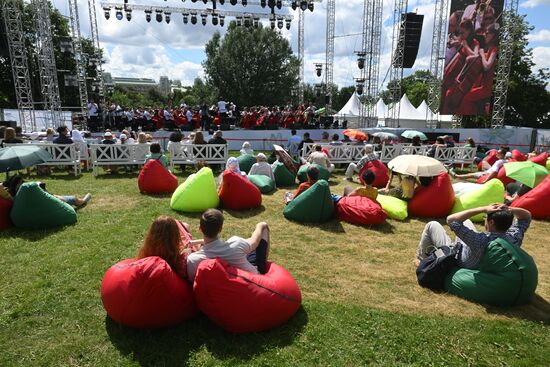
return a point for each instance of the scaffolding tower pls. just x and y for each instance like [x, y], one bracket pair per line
[79, 60]
[46, 62]
[301, 20]
[99, 82]
[398, 52]
[19, 64]
[329, 55]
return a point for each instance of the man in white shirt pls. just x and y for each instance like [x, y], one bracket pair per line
[491, 172]
[247, 254]
[293, 143]
[221, 106]
[261, 167]
[320, 158]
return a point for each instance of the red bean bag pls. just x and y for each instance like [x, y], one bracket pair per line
[155, 179]
[540, 159]
[435, 200]
[501, 175]
[237, 192]
[242, 302]
[489, 158]
[146, 293]
[5, 209]
[537, 201]
[518, 156]
[360, 210]
[380, 173]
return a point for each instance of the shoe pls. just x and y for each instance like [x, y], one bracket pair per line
[452, 173]
[87, 198]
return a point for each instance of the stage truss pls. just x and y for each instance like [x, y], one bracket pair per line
[99, 82]
[301, 20]
[396, 68]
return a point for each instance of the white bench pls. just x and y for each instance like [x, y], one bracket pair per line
[389, 152]
[117, 154]
[344, 153]
[191, 154]
[62, 155]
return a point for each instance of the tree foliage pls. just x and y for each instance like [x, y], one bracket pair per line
[251, 66]
[415, 86]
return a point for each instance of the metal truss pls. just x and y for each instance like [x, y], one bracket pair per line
[396, 69]
[329, 56]
[437, 63]
[301, 20]
[99, 82]
[508, 36]
[79, 59]
[46, 62]
[19, 64]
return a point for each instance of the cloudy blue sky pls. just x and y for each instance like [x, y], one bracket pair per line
[141, 49]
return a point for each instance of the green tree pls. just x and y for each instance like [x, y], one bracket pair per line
[251, 66]
[415, 86]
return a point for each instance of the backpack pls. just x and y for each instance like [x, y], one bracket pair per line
[431, 271]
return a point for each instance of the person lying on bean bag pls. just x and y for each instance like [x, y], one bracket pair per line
[490, 173]
[312, 177]
[232, 164]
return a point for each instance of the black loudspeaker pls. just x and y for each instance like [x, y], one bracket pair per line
[411, 26]
[225, 126]
[8, 124]
[326, 121]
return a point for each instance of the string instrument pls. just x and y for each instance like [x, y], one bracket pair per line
[463, 83]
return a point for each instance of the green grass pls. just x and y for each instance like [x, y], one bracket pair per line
[361, 304]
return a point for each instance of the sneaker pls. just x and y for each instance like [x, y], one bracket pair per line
[87, 198]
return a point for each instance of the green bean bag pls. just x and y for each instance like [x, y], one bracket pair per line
[394, 207]
[246, 161]
[264, 183]
[197, 193]
[302, 172]
[488, 193]
[34, 208]
[507, 276]
[314, 205]
[283, 177]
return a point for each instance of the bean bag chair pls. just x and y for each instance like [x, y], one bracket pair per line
[501, 175]
[380, 173]
[541, 159]
[242, 302]
[507, 276]
[246, 161]
[315, 205]
[154, 178]
[5, 209]
[264, 183]
[146, 293]
[518, 156]
[302, 172]
[489, 193]
[237, 193]
[197, 193]
[548, 164]
[435, 200]
[461, 188]
[394, 207]
[537, 201]
[34, 208]
[283, 177]
[490, 158]
[360, 210]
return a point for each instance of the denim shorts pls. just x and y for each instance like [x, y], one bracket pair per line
[71, 200]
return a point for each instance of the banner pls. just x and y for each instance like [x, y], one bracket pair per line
[471, 57]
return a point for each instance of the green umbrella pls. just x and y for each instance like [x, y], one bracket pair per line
[527, 173]
[409, 134]
[21, 156]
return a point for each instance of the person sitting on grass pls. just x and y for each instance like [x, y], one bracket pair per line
[261, 167]
[312, 177]
[491, 172]
[498, 224]
[171, 242]
[368, 191]
[404, 191]
[155, 154]
[317, 156]
[248, 254]
[369, 156]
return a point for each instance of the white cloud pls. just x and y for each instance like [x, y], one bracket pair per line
[541, 57]
[534, 3]
[540, 36]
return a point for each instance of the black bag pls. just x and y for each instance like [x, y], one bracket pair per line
[432, 270]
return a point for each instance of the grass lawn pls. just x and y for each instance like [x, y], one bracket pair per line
[361, 303]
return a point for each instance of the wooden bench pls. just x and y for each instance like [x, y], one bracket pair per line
[62, 155]
[117, 154]
[192, 154]
[389, 152]
[344, 153]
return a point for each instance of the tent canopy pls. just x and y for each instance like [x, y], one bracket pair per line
[352, 107]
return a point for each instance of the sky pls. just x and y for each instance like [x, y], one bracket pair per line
[149, 50]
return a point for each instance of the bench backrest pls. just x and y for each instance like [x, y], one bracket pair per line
[210, 153]
[119, 153]
[344, 153]
[389, 152]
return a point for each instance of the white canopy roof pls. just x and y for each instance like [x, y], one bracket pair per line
[423, 109]
[407, 111]
[352, 106]
[381, 109]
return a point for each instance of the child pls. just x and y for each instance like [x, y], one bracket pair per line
[368, 191]
[312, 177]
[157, 155]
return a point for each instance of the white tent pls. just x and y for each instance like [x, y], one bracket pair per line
[423, 109]
[381, 109]
[352, 107]
[407, 111]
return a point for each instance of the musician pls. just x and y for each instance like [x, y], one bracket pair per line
[454, 22]
[476, 11]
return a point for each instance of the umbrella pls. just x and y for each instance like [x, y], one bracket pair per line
[356, 134]
[416, 165]
[285, 158]
[384, 135]
[21, 156]
[527, 173]
[409, 134]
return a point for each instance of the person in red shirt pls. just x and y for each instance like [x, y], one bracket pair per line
[312, 177]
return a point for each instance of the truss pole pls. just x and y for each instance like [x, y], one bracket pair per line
[396, 70]
[95, 41]
[301, 21]
[19, 64]
[437, 61]
[79, 59]
[329, 56]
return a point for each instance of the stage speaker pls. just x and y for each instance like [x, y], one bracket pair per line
[225, 126]
[410, 32]
[327, 121]
[8, 124]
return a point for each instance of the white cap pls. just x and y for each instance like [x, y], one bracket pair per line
[123, 137]
[108, 133]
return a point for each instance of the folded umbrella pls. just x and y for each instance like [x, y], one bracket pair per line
[416, 165]
[409, 134]
[22, 156]
[527, 172]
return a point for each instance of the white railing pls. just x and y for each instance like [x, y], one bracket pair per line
[191, 154]
[344, 153]
[62, 155]
[117, 154]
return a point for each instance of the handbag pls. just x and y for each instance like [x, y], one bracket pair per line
[431, 271]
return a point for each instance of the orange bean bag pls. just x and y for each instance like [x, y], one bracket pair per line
[146, 293]
[540, 159]
[518, 156]
[360, 210]
[155, 179]
[242, 302]
[435, 200]
[489, 158]
[537, 201]
[380, 173]
[5, 209]
[237, 192]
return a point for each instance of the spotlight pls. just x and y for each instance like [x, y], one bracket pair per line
[119, 13]
[272, 21]
[107, 12]
[239, 21]
[361, 59]
[280, 23]
[318, 69]
[128, 14]
[359, 86]
[303, 5]
[222, 20]
[271, 4]
[193, 18]
[256, 22]
[148, 15]
[214, 19]
[246, 21]
[204, 17]
[310, 6]
[287, 21]
[262, 3]
[205, 2]
[279, 4]
[158, 15]
[244, 2]
[193, 1]
[221, 2]
[185, 17]
[233, 2]
[167, 15]
[294, 4]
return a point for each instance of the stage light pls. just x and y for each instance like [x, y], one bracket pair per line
[148, 15]
[272, 21]
[214, 19]
[185, 17]
[204, 18]
[271, 4]
[256, 22]
[205, 2]
[280, 23]
[279, 4]
[244, 2]
[310, 6]
[262, 3]
[158, 15]
[107, 13]
[239, 21]
[287, 21]
[294, 4]
[233, 2]
[193, 1]
[303, 5]
[128, 14]
[221, 2]
[318, 69]
[167, 15]
[361, 59]
[193, 18]
[359, 89]
[119, 13]
[222, 20]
